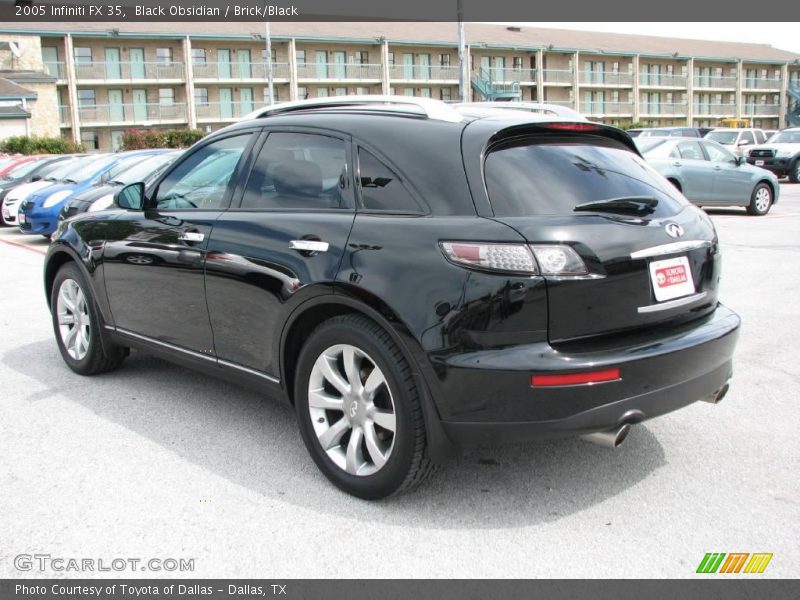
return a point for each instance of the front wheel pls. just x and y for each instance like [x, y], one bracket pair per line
[760, 200]
[359, 409]
[76, 323]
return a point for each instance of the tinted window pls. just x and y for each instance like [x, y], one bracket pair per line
[381, 188]
[298, 171]
[718, 153]
[748, 135]
[202, 179]
[723, 137]
[691, 151]
[552, 176]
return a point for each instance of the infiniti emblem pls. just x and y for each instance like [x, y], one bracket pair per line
[353, 410]
[674, 230]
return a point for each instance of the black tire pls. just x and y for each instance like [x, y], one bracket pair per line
[794, 171]
[408, 463]
[756, 206]
[98, 358]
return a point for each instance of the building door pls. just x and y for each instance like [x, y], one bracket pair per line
[226, 103]
[139, 105]
[340, 65]
[138, 70]
[113, 66]
[224, 63]
[116, 140]
[322, 64]
[116, 109]
[243, 58]
[425, 66]
[499, 68]
[50, 60]
[408, 66]
[246, 100]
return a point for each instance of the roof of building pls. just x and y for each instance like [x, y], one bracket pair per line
[18, 76]
[11, 91]
[14, 112]
[433, 33]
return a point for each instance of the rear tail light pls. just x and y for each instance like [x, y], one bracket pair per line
[538, 259]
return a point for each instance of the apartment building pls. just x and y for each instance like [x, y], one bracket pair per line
[107, 77]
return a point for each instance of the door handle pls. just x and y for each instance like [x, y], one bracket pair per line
[718, 168]
[677, 164]
[192, 236]
[309, 245]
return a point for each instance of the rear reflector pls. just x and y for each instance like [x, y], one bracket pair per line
[571, 126]
[576, 378]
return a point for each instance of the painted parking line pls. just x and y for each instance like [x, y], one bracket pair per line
[24, 246]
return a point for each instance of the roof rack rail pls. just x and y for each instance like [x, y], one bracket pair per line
[540, 107]
[432, 109]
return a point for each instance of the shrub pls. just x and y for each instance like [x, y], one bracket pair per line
[140, 139]
[23, 144]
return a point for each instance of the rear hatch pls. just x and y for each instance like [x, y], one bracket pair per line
[651, 257]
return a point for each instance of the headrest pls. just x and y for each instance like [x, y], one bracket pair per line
[297, 177]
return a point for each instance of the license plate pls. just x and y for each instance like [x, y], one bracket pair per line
[672, 278]
[21, 217]
[759, 163]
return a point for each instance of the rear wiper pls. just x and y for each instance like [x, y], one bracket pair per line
[636, 205]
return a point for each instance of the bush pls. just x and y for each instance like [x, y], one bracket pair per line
[141, 139]
[23, 144]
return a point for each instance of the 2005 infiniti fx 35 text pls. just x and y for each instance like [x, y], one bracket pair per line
[413, 277]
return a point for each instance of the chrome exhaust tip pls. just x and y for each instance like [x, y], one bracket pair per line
[609, 439]
[718, 395]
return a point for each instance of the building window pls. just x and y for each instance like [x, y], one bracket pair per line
[82, 55]
[201, 96]
[90, 140]
[362, 58]
[517, 63]
[445, 94]
[444, 60]
[391, 58]
[615, 67]
[273, 54]
[302, 93]
[87, 98]
[362, 91]
[199, 56]
[425, 92]
[164, 55]
[340, 91]
[166, 96]
[300, 57]
[408, 91]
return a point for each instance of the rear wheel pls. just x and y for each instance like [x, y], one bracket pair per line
[76, 323]
[760, 200]
[794, 172]
[359, 409]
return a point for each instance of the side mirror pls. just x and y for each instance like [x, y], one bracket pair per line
[743, 143]
[131, 196]
[36, 178]
[740, 160]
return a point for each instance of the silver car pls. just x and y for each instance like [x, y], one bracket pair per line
[708, 174]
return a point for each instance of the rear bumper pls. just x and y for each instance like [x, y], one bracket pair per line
[492, 399]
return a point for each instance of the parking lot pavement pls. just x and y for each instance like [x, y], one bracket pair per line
[157, 461]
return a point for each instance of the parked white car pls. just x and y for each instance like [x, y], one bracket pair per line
[737, 141]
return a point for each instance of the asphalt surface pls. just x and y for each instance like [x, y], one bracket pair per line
[155, 461]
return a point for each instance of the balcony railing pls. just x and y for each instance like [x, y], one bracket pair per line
[57, 69]
[560, 76]
[223, 111]
[708, 81]
[662, 80]
[63, 116]
[567, 103]
[761, 110]
[113, 71]
[601, 108]
[760, 83]
[109, 114]
[662, 108]
[339, 71]
[605, 78]
[238, 70]
[423, 73]
[726, 110]
[508, 75]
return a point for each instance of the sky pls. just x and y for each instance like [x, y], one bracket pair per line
[780, 35]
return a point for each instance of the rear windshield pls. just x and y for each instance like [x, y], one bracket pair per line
[551, 176]
[786, 137]
[723, 137]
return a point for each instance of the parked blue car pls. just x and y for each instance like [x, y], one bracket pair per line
[39, 212]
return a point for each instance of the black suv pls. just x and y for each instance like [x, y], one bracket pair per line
[412, 277]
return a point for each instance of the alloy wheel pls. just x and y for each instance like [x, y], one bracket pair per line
[763, 199]
[74, 323]
[352, 410]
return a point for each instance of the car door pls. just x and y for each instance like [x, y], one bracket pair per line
[695, 170]
[279, 244]
[732, 181]
[153, 259]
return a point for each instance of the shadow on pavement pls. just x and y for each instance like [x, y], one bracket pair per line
[254, 443]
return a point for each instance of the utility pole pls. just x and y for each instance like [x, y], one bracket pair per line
[270, 86]
[463, 77]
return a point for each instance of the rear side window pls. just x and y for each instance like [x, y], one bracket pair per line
[298, 171]
[552, 175]
[691, 151]
[381, 188]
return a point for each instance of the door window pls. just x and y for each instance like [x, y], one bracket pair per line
[201, 181]
[298, 171]
[718, 153]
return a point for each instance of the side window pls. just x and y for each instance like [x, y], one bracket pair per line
[748, 135]
[201, 180]
[381, 189]
[718, 154]
[691, 151]
[298, 171]
[761, 137]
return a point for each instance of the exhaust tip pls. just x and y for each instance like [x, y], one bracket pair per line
[717, 396]
[609, 439]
